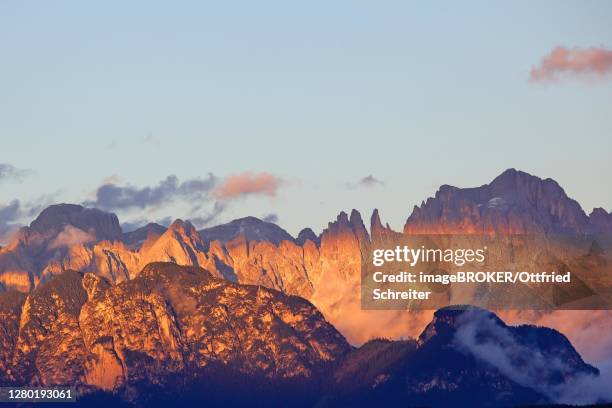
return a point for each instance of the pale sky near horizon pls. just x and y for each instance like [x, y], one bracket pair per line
[318, 94]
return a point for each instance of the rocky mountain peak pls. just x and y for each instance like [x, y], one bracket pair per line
[601, 221]
[103, 225]
[180, 243]
[375, 222]
[168, 324]
[513, 175]
[344, 224]
[175, 329]
[466, 356]
[137, 237]
[480, 332]
[359, 228]
[342, 219]
[377, 230]
[446, 321]
[182, 227]
[251, 228]
[307, 234]
[514, 202]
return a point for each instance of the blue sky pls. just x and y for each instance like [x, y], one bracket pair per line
[319, 94]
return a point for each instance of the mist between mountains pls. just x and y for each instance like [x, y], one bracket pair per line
[498, 272]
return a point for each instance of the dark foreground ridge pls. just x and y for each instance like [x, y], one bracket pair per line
[177, 336]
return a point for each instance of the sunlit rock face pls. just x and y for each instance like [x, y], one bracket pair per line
[111, 260]
[177, 332]
[514, 203]
[54, 219]
[169, 321]
[70, 237]
[137, 238]
[324, 269]
[49, 239]
[16, 269]
[246, 251]
[519, 203]
[11, 304]
[263, 263]
[49, 348]
[180, 244]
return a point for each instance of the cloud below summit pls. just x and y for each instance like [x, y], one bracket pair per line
[71, 236]
[499, 348]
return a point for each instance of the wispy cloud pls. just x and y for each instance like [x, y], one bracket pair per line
[151, 140]
[9, 215]
[248, 184]
[561, 60]
[134, 224]
[8, 171]
[368, 181]
[273, 218]
[112, 197]
[15, 213]
[201, 218]
[210, 195]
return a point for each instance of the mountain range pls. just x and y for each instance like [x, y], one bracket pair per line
[173, 308]
[179, 332]
[248, 250]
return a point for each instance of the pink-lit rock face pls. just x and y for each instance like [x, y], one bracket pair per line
[78, 329]
[286, 265]
[176, 327]
[10, 311]
[514, 203]
[324, 269]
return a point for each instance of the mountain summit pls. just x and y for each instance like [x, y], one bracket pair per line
[466, 357]
[103, 225]
[251, 228]
[515, 202]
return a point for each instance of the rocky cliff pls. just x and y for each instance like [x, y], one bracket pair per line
[48, 239]
[169, 324]
[324, 269]
[246, 251]
[178, 335]
[515, 202]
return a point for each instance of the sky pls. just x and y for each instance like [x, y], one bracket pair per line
[295, 111]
